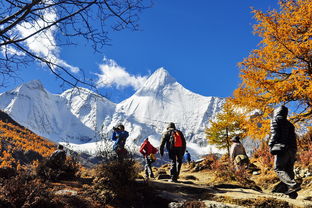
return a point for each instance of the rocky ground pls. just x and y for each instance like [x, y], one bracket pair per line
[192, 190]
[196, 189]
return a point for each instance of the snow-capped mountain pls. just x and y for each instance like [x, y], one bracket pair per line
[44, 113]
[78, 115]
[162, 100]
[93, 110]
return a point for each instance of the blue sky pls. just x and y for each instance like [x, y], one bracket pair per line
[199, 43]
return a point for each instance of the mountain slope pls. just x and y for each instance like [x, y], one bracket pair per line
[92, 109]
[19, 145]
[44, 113]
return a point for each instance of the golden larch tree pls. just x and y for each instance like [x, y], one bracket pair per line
[227, 124]
[280, 69]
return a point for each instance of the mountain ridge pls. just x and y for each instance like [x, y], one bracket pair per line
[80, 117]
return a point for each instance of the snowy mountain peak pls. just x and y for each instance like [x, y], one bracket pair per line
[29, 87]
[158, 79]
[34, 84]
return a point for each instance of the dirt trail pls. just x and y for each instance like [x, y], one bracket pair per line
[211, 196]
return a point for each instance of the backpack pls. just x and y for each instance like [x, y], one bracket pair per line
[152, 157]
[175, 139]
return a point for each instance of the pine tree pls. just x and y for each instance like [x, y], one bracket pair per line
[280, 70]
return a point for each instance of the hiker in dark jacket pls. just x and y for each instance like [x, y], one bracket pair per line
[57, 158]
[175, 153]
[148, 151]
[119, 137]
[283, 134]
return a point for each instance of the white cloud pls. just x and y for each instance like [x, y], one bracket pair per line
[113, 74]
[44, 44]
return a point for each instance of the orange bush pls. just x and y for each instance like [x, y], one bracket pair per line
[263, 156]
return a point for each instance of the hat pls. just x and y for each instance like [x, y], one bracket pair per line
[60, 147]
[281, 111]
[235, 139]
[171, 126]
[120, 126]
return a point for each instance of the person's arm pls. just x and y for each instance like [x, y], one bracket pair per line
[142, 149]
[183, 142]
[274, 132]
[163, 142]
[114, 136]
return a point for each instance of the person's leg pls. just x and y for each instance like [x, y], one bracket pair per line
[281, 166]
[289, 169]
[149, 166]
[179, 161]
[173, 170]
[146, 167]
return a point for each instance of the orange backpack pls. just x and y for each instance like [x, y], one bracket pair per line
[176, 139]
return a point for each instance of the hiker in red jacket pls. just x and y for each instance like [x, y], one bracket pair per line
[148, 151]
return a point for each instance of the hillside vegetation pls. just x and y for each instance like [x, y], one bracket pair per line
[19, 145]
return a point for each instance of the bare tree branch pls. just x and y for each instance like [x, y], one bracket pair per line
[71, 20]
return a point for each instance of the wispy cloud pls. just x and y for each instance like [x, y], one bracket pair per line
[44, 44]
[114, 75]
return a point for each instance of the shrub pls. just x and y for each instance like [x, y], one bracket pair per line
[115, 181]
[7, 172]
[69, 171]
[263, 157]
[22, 191]
[304, 149]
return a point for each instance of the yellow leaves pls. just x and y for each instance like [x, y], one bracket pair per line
[280, 70]
[16, 138]
[227, 124]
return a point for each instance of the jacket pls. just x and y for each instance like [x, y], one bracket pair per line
[147, 148]
[165, 141]
[282, 130]
[120, 139]
[237, 149]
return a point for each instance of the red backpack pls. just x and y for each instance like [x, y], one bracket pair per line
[176, 139]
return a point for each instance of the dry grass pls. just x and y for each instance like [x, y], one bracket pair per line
[259, 202]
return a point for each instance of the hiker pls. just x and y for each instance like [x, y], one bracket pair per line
[119, 137]
[57, 158]
[187, 157]
[238, 153]
[176, 146]
[148, 151]
[283, 146]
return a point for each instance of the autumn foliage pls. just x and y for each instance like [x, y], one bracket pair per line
[15, 139]
[227, 124]
[280, 69]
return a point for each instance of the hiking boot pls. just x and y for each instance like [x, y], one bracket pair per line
[174, 180]
[293, 195]
[293, 189]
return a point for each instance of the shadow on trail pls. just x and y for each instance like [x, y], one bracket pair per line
[182, 190]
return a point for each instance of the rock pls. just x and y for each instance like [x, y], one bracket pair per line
[66, 192]
[163, 176]
[213, 204]
[255, 173]
[175, 205]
